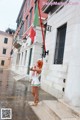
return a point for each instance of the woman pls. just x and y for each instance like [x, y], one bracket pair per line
[35, 83]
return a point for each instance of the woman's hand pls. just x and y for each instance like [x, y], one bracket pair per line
[35, 69]
[31, 68]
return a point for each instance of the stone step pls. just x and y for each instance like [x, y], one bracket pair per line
[61, 110]
[19, 77]
[43, 113]
[73, 108]
[54, 110]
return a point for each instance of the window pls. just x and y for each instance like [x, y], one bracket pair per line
[60, 43]
[2, 62]
[30, 57]
[18, 59]
[25, 6]
[27, 22]
[35, 1]
[22, 58]
[6, 40]
[4, 51]
[25, 57]
[30, 16]
[21, 31]
[28, 3]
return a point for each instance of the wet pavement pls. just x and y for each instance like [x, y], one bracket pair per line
[16, 94]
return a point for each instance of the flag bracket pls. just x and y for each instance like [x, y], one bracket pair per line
[48, 28]
[45, 53]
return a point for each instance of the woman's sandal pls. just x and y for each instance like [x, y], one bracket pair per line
[34, 104]
[37, 101]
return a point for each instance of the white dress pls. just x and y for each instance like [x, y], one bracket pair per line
[35, 79]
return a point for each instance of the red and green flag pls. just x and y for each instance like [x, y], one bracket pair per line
[35, 23]
[36, 16]
[32, 34]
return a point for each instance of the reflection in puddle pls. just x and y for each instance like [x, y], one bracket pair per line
[12, 95]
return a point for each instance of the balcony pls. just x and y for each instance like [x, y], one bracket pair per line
[51, 5]
[17, 43]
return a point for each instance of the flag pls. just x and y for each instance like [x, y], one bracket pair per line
[35, 23]
[36, 16]
[43, 37]
[32, 34]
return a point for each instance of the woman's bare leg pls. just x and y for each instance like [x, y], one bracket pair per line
[36, 97]
[33, 91]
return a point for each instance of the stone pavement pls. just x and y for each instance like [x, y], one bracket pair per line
[16, 95]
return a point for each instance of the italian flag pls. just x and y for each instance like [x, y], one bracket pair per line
[35, 23]
[36, 16]
[32, 34]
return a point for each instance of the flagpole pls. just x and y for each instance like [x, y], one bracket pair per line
[43, 37]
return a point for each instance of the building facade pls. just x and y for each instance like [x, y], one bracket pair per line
[25, 53]
[61, 70]
[5, 49]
